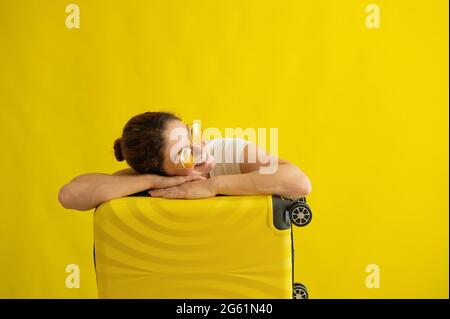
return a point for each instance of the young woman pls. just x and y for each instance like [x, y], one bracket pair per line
[165, 161]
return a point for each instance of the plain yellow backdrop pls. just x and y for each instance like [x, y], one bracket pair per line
[364, 112]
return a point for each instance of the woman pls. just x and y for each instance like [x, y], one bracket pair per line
[165, 161]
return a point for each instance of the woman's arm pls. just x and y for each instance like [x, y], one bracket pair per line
[285, 179]
[288, 181]
[87, 191]
[264, 174]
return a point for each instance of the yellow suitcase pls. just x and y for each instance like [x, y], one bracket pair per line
[220, 247]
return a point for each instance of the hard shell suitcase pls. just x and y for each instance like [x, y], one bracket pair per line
[220, 247]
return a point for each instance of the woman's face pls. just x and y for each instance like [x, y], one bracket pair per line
[179, 140]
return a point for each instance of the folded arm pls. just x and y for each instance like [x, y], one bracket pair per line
[288, 181]
[280, 178]
[87, 191]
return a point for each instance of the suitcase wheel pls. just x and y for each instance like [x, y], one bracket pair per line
[300, 214]
[299, 291]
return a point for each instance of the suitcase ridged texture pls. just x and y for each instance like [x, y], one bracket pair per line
[222, 247]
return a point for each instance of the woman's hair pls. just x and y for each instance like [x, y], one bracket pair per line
[142, 142]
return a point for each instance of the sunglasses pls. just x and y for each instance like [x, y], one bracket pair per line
[187, 157]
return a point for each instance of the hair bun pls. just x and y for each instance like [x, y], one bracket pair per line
[118, 150]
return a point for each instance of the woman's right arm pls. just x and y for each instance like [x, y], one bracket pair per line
[87, 191]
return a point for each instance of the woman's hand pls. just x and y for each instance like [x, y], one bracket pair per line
[164, 182]
[202, 188]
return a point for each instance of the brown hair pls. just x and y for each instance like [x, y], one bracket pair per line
[142, 142]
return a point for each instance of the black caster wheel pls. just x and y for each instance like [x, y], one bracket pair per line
[299, 291]
[300, 214]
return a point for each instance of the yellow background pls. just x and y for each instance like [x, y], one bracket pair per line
[364, 112]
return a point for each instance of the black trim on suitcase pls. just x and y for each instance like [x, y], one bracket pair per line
[294, 211]
[281, 219]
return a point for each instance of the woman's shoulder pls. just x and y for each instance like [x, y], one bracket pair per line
[227, 148]
[227, 140]
[224, 145]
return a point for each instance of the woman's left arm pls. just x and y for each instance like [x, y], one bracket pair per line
[261, 175]
[264, 175]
